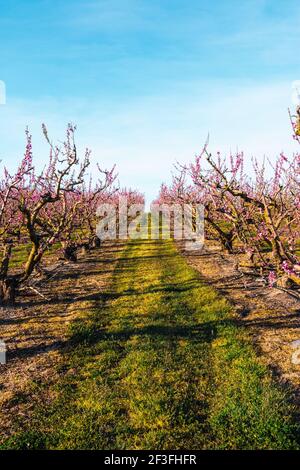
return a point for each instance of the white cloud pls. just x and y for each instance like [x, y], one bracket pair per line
[146, 137]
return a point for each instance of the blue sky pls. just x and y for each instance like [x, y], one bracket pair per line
[146, 80]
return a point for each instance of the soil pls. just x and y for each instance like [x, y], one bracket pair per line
[35, 330]
[271, 315]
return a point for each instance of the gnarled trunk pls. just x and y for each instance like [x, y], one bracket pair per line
[8, 289]
[96, 242]
[85, 248]
[70, 253]
[226, 238]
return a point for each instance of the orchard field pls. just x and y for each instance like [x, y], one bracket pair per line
[140, 343]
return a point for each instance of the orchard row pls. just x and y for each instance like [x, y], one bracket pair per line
[52, 208]
[258, 216]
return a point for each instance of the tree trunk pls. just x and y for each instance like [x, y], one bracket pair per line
[226, 238]
[8, 288]
[70, 253]
[34, 258]
[227, 243]
[85, 248]
[96, 242]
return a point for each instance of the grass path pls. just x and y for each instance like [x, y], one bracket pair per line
[159, 363]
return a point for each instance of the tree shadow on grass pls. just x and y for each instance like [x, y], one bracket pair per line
[91, 334]
[114, 294]
[200, 333]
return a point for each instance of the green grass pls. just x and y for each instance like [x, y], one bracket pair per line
[160, 363]
[21, 252]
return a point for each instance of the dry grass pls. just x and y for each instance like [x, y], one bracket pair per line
[271, 316]
[158, 362]
[35, 330]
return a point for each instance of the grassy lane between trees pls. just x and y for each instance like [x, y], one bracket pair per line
[159, 362]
